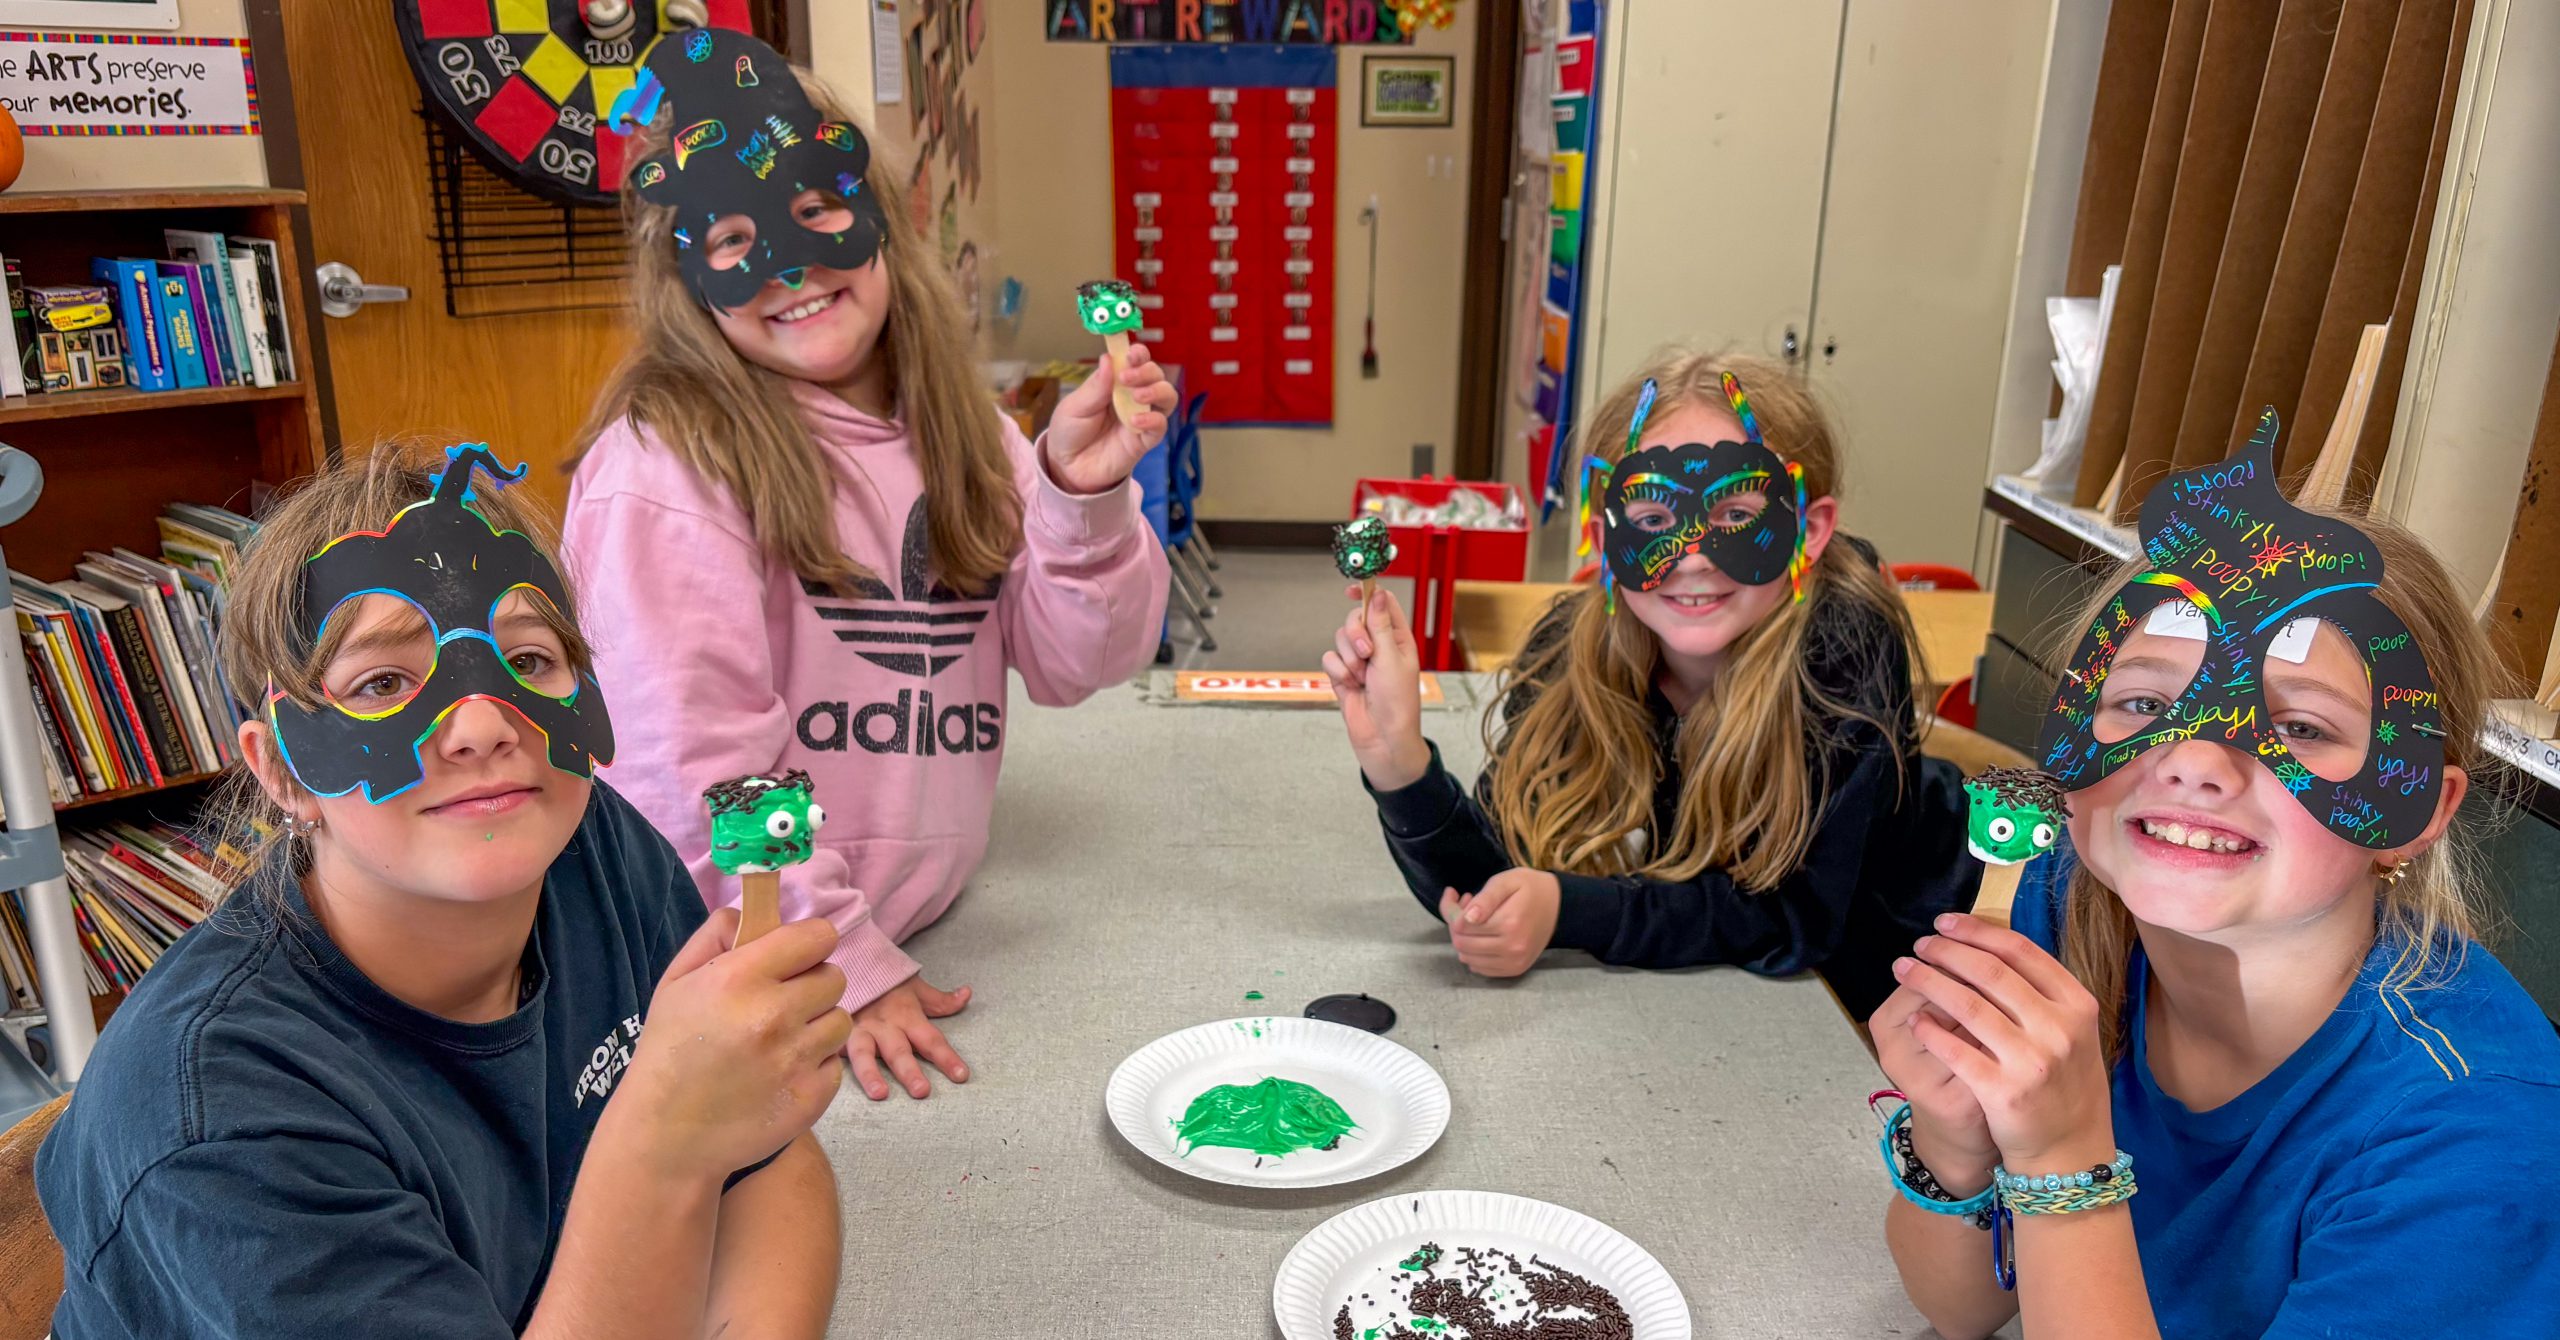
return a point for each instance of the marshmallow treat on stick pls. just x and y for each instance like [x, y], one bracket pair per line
[760, 824]
[1361, 552]
[1109, 308]
[2016, 815]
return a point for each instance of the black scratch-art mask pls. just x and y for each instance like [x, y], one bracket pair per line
[445, 559]
[2231, 564]
[745, 139]
[1661, 504]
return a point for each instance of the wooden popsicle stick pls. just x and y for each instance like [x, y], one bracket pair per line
[759, 904]
[1116, 345]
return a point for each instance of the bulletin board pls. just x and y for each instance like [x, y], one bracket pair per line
[1222, 172]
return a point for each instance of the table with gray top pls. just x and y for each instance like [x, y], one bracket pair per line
[1151, 865]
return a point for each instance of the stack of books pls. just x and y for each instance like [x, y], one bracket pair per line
[120, 659]
[211, 315]
[134, 890]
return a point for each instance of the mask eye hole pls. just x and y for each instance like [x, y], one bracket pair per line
[2003, 828]
[2043, 836]
[386, 652]
[820, 212]
[780, 824]
[727, 242]
[1651, 518]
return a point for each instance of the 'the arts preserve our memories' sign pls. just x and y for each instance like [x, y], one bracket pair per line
[89, 84]
[1178, 22]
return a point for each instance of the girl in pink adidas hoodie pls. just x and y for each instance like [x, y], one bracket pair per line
[805, 538]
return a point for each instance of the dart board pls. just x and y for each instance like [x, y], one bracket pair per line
[531, 83]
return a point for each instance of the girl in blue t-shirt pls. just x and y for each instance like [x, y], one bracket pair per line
[2252, 970]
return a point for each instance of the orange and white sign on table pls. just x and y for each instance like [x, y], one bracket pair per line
[1253, 686]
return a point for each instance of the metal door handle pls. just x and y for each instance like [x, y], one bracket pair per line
[343, 292]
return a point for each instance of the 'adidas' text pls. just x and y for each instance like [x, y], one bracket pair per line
[909, 725]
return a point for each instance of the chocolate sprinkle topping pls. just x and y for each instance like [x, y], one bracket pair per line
[741, 793]
[2024, 788]
[1471, 1300]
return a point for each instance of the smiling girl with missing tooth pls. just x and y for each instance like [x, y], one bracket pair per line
[2241, 1058]
[1712, 761]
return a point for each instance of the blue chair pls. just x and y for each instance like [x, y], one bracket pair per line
[1192, 587]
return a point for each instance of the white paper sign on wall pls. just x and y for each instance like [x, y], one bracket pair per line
[90, 84]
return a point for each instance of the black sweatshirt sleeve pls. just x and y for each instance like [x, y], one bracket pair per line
[1440, 836]
[1644, 923]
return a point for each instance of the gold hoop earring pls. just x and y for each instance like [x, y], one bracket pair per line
[2392, 874]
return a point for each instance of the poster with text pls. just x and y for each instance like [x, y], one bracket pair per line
[1222, 173]
[93, 84]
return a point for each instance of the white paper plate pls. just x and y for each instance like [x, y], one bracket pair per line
[1356, 1252]
[1397, 1099]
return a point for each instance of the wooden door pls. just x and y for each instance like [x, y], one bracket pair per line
[522, 383]
[1934, 131]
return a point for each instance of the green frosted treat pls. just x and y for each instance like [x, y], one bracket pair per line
[763, 823]
[2016, 814]
[1109, 307]
[1272, 1118]
[1361, 550]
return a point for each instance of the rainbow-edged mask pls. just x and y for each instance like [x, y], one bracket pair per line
[745, 139]
[2241, 581]
[1664, 503]
[444, 558]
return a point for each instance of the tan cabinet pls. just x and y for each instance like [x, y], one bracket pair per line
[1839, 183]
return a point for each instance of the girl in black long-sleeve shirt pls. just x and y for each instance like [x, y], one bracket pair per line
[1704, 769]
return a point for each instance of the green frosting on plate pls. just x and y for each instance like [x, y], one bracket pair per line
[1272, 1118]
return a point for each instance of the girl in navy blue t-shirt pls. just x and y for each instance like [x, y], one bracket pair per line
[2252, 969]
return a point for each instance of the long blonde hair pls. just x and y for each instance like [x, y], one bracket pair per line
[2436, 902]
[1573, 768]
[735, 423]
[267, 644]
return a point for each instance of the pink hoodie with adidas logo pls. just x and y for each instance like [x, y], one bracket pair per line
[719, 663]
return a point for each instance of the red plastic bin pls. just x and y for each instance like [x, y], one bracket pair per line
[1438, 557]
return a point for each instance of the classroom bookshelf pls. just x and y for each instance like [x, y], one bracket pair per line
[115, 459]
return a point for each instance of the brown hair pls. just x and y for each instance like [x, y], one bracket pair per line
[2437, 899]
[735, 423]
[1566, 766]
[266, 644]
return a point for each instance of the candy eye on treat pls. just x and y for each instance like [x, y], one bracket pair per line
[1109, 308]
[1362, 551]
[2015, 815]
[759, 824]
[2243, 597]
[443, 559]
[1738, 503]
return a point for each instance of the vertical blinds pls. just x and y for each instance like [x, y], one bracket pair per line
[2265, 171]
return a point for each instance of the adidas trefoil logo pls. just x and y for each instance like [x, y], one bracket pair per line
[922, 628]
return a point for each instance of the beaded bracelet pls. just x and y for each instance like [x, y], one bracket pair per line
[2110, 1183]
[2107, 1184]
[1917, 1184]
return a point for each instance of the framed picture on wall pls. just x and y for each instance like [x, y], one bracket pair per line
[89, 13]
[1408, 90]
